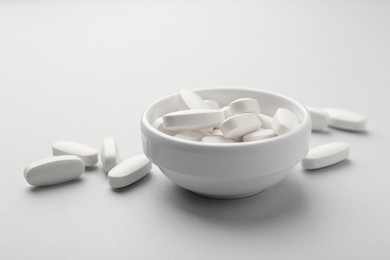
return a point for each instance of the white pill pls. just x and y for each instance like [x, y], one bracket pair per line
[244, 105]
[346, 120]
[109, 153]
[284, 121]
[212, 104]
[193, 119]
[265, 120]
[217, 139]
[191, 135]
[258, 135]
[326, 155]
[129, 171]
[240, 125]
[188, 99]
[319, 118]
[54, 170]
[87, 154]
[159, 125]
[226, 111]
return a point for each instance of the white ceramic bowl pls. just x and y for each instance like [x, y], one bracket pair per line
[227, 170]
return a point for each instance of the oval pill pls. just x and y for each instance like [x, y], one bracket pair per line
[257, 135]
[325, 155]
[240, 125]
[159, 125]
[266, 121]
[193, 119]
[319, 118]
[54, 170]
[188, 99]
[87, 154]
[346, 120]
[244, 105]
[109, 154]
[129, 171]
[284, 121]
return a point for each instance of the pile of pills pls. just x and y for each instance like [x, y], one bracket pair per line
[70, 160]
[197, 120]
[242, 121]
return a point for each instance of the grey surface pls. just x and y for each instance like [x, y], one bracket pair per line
[83, 70]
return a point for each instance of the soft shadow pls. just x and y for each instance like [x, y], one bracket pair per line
[92, 168]
[285, 199]
[363, 133]
[137, 185]
[56, 186]
[323, 132]
[329, 169]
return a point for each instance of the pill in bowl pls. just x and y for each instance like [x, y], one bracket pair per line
[229, 166]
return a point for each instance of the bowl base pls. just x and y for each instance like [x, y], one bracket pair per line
[225, 188]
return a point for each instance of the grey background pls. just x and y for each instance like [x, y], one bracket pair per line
[83, 70]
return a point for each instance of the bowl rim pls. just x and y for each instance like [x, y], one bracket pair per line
[302, 125]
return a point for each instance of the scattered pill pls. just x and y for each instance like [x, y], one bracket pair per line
[284, 121]
[87, 154]
[217, 139]
[265, 120]
[129, 171]
[258, 135]
[191, 135]
[244, 105]
[54, 170]
[193, 119]
[240, 125]
[188, 99]
[346, 120]
[325, 155]
[319, 118]
[109, 154]
[212, 104]
[159, 125]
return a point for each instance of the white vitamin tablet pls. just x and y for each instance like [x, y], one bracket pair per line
[159, 125]
[244, 105]
[284, 121]
[240, 125]
[188, 99]
[319, 118]
[325, 155]
[129, 171]
[193, 119]
[109, 154]
[258, 135]
[346, 120]
[54, 170]
[266, 121]
[87, 154]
